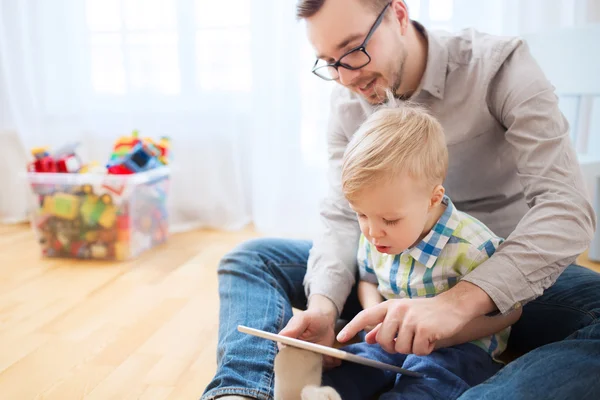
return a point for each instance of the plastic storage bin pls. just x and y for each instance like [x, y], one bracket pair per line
[100, 216]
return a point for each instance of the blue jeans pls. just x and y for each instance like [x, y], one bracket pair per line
[261, 280]
[448, 373]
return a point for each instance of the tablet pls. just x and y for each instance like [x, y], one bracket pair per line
[328, 351]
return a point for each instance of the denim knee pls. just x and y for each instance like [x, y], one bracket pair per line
[237, 258]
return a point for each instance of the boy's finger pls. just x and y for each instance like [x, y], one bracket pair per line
[331, 362]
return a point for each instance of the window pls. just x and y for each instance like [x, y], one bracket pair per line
[133, 46]
[223, 45]
[168, 47]
[434, 14]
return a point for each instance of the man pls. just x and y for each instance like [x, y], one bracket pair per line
[511, 166]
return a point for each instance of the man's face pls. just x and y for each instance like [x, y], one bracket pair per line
[341, 25]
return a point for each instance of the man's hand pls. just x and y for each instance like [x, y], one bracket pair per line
[413, 326]
[315, 325]
[408, 326]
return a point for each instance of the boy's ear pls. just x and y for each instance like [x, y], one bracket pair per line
[437, 196]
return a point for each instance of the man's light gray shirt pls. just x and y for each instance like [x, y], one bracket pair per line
[512, 166]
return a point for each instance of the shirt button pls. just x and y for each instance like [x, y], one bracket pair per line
[517, 306]
[402, 293]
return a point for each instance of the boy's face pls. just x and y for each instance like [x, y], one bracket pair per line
[394, 214]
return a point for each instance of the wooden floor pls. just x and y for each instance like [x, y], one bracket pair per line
[138, 330]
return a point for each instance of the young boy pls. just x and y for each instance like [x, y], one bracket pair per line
[414, 244]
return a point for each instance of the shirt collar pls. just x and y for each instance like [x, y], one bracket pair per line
[434, 78]
[427, 250]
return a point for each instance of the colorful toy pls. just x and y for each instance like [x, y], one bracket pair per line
[141, 157]
[164, 147]
[67, 160]
[99, 250]
[43, 161]
[131, 154]
[85, 221]
[92, 167]
[86, 216]
[64, 160]
[80, 249]
[97, 209]
[62, 205]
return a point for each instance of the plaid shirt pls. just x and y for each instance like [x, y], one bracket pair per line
[456, 245]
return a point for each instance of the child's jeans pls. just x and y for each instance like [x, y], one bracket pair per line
[449, 372]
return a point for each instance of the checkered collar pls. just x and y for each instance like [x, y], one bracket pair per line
[427, 250]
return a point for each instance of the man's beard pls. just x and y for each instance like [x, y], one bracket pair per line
[395, 82]
[382, 93]
[395, 86]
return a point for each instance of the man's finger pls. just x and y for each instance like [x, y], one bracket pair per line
[295, 327]
[371, 316]
[404, 340]
[371, 337]
[422, 346]
[388, 332]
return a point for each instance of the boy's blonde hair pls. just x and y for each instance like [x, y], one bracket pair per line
[395, 139]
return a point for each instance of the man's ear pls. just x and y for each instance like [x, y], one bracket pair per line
[437, 196]
[400, 11]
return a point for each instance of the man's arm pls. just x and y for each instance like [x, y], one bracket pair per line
[332, 260]
[560, 223]
[480, 327]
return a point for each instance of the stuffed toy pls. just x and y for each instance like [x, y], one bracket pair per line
[298, 376]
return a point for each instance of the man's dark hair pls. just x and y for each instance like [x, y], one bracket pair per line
[308, 8]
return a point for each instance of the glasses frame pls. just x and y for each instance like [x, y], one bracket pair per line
[362, 48]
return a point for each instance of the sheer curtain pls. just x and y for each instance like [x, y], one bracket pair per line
[229, 82]
[91, 71]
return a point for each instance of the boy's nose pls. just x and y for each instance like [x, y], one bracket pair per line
[375, 232]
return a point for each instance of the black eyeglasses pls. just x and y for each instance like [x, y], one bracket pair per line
[354, 59]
